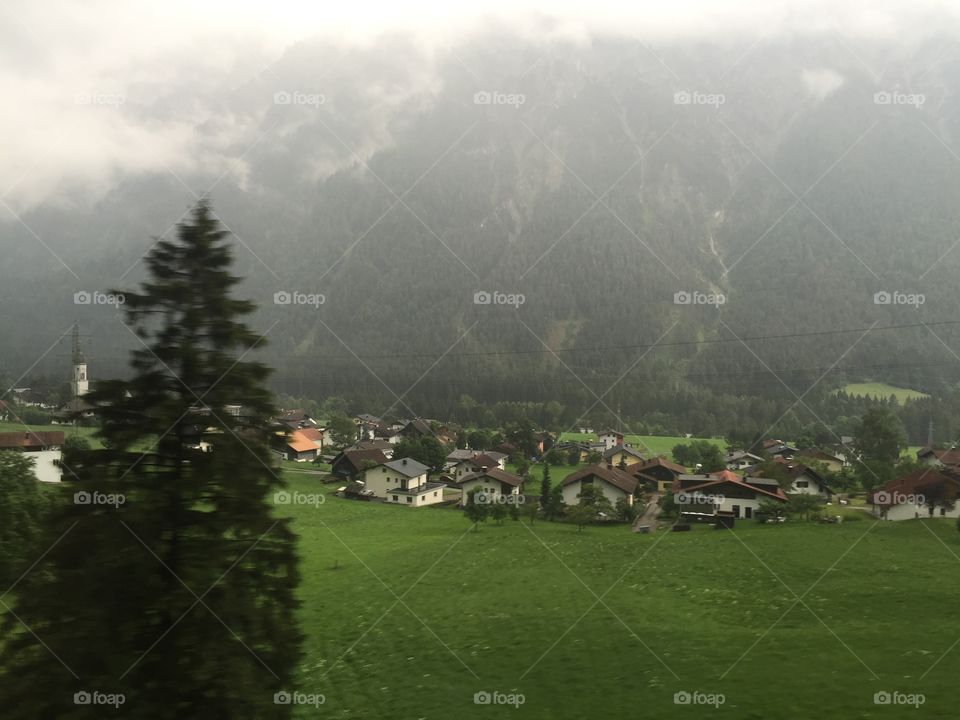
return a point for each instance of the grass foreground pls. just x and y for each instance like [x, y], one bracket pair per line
[409, 613]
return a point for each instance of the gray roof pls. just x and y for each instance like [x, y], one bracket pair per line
[408, 467]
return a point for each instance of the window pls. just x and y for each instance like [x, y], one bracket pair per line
[396, 499]
[434, 493]
[802, 483]
[748, 512]
[409, 499]
[736, 511]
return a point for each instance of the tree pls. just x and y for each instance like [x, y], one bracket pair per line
[426, 450]
[668, 504]
[545, 485]
[804, 505]
[520, 463]
[879, 441]
[555, 506]
[625, 511]
[592, 503]
[474, 511]
[582, 514]
[141, 538]
[20, 513]
[770, 509]
[72, 452]
[498, 511]
[342, 429]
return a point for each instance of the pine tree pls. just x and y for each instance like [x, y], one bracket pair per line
[545, 485]
[166, 578]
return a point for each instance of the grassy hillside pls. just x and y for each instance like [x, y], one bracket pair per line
[408, 614]
[883, 391]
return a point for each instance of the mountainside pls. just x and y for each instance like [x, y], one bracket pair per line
[606, 182]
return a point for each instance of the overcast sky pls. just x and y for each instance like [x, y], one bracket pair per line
[71, 73]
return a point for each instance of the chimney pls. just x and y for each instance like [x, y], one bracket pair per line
[404, 461]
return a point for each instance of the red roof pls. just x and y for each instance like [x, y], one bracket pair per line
[913, 483]
[311, 434]
[950, 456]
[300, 443]
[30, 439]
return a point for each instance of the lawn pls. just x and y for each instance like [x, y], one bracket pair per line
[650, 444]
[408, 613]
[882, 391]
[67, 430]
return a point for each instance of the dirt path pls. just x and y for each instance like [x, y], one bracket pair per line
[649, 515]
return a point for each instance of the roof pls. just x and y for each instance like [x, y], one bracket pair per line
[818, 454]
[913, 483]
[421, 426]
[355, 458]
[607, 454]
[609, 431]
[407, 466]
[368, 418]
[726, 477]
[371, 445]
[950, 456]
[660, 461]
[495, 473]
[614, 476]
[458, 454]
[311, 434]
[31, 439]
[300, 443]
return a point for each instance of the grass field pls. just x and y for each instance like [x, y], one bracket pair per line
[408, 614]
[654, 444]
[883, 391]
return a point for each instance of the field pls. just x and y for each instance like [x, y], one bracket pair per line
[650, 444]
[409, 613]
[883, 391]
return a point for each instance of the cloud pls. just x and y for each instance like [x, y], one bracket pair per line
[104, 89]
[820, 83]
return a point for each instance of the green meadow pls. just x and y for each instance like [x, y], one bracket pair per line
[408, 613]
[882, 391]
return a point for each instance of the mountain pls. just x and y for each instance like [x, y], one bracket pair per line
[783, 184]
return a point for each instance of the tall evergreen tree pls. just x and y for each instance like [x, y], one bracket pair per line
[166, 577]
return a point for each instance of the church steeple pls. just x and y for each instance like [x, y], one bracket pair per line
[79, 383]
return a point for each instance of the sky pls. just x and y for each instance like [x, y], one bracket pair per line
[101, 90]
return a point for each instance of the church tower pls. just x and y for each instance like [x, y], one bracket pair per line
[79, 384]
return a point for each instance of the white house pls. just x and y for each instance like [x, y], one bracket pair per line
[741, 460]
[727, 493]
[808, 481]
[45, 447]
[609, 438]
[475, 463]
[923, 493]
[613, 482]
[493, 483]
[403, 481]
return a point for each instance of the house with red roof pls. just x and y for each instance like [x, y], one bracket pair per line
[45, 447]
[939, 457]
[923, 493]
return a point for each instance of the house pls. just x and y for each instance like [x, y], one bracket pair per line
[352, 463]
[609, 438]
[299, 448]
[834, 463]
[624, 453]
[314, 435]
[403, 481]
[806, 480]
[381, 445]
[561, 451]
[475, 462]
[939, 457]
[925, 492]
[45, 447]
[741, 460]
[775, 448]
[612, 481]
[417, 428]
[296, 419]
[725, 493]
[494, 484]
[657, 473]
